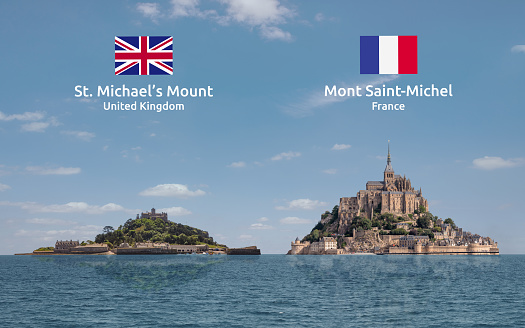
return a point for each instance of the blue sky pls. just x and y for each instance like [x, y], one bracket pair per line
[260, 161]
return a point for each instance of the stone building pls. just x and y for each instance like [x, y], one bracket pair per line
[160, 248]
[410, 241]
[153, 215]
[298, 246]
[326, 245]
[394, 194]
[65, 246]
[74, 247]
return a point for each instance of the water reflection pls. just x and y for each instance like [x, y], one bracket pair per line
[141, 271]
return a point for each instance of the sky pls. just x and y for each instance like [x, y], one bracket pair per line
[261, 160]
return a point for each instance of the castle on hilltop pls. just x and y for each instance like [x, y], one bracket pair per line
[153, 215]
[389, 217]
[392, 195]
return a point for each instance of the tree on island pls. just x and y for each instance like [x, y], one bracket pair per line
[158, 230]
[451, 222]
[420, 210]
[424, 221]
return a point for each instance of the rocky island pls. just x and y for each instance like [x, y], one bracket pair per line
[149, 233]
[389, 217]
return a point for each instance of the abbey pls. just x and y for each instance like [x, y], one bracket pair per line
[392, 195]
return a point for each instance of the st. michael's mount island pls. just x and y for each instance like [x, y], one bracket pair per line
[389, 217]
[150, 233]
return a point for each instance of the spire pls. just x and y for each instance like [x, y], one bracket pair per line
[388, 159]
[388, 167]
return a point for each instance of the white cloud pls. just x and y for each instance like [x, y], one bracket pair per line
[341, 147]
[261, 14]
[152, 135]
[83, 232]
[260, 226]
[4, 187]
[174, 211]
[82, 135]
[288, 155]
[189, 8]
[132, 154]
[237, 164]
[171, 190]
[50, 221]
[106, 147]
[149, 10]
[492, 163]
[39, 126]
[330, 171]
[87, 100]
[302, 204]
[295, 220]
[53, 171]
[275, 33]
[27, 116]
[71, 207]
[263, 219]
[319, 17]
[255, 13]
[35, 126]
[245, 237]
[518, 48]
[316, 98]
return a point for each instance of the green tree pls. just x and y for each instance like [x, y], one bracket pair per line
[335, 211]
[451, 222]
[318, 226]
[315, 235]
[399, 231]
[424, 222]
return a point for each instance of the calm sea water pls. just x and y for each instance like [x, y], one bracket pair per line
[262, 291]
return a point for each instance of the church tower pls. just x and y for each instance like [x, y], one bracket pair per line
[389, 172]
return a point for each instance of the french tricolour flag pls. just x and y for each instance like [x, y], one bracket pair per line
[389, 54]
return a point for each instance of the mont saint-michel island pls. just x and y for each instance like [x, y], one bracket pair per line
[389, 217]
[150, 233]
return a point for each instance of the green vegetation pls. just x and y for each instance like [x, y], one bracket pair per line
[142, 230]
[420, 210]
[386, 223]
[322, 229]
[425, 221]
[451, 222]
[44, 249]
[399, 231]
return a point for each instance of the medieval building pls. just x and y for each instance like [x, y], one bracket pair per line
[392, 195]
[65, 246]
[153, 215]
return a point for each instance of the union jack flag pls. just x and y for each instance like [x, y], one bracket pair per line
[143, 55]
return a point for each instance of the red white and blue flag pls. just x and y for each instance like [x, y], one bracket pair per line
[143, 55]
[389, 54]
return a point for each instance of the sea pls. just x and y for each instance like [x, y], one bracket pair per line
[262, 291]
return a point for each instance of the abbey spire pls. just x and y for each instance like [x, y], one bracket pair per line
[389, 171]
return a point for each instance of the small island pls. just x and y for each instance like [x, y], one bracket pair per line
[148, 234]
[389, 217]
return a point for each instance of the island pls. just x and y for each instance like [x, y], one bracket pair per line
[389, 217]
[149, 233]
